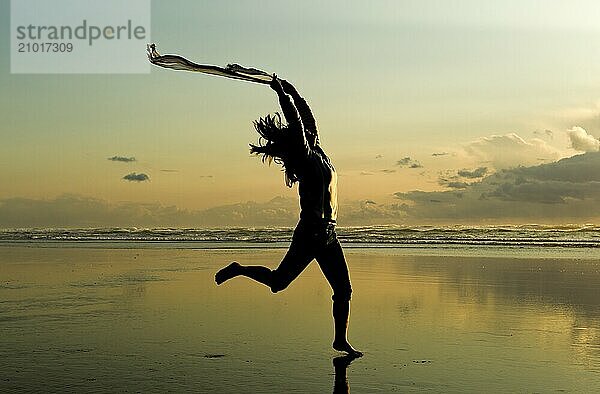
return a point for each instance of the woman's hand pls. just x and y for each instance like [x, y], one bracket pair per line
[276, 84]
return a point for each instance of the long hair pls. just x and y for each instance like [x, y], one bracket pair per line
[273, 145]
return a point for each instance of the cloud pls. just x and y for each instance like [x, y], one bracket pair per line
[387, 171]
[510, 150]
[438, 154]
[457, 185]
[578, 114]
[582, 141]
[366, 173]
[122, 159]
[580, 168]
[476, 173]
[568, 189]
[551, 192]
[457, 181]
[133, 177]
[379, 156]
[279, 211]
[408, 162]
[545, 133]
[367, 212]
[79, 211]
[169, 170]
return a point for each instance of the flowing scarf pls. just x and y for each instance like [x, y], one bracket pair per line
[234, 71]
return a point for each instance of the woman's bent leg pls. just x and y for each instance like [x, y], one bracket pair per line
[334, 267]
[295, 261]
[260, 274]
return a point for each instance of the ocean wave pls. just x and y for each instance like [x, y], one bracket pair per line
[570, 235]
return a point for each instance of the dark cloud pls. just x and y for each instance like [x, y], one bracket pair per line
[379, 156]
[408, 162]
[134, 177]
[545, 133]
[122, 159]
[581, 168]
[438, 154]
[457, 185]
[457, 181]
[404, 161]
[79, 211]
[556, 192]
[562, 190]
[168, 170]
[472, 174]
[545, 192]
[387, 171]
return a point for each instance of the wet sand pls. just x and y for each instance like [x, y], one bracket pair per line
[106, 319]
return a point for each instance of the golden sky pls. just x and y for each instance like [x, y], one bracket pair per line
[406, 94]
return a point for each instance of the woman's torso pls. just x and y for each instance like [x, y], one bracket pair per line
[318, 188]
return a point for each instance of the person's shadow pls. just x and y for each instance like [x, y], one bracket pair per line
[340, 365]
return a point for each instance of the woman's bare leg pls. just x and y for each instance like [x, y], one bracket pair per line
[260, 274]
[341, 312]
[334, 267]
[294, 262]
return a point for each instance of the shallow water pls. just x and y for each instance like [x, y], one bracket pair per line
[106, 318]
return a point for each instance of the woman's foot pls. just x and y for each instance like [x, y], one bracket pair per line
[227, 273]
[344, 346]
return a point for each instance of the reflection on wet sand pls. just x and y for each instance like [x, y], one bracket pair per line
[565, 290]
[340, 366]
[115, 319]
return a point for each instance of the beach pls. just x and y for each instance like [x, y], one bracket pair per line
[451, 147]
[147, 316]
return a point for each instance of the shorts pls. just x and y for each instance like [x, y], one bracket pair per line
[315, 241]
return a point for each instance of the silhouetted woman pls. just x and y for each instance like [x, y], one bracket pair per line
[296, 147]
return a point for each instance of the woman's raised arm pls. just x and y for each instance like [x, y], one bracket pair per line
[291, 116]
[308, 120]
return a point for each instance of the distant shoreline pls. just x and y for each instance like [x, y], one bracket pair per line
[525, 236]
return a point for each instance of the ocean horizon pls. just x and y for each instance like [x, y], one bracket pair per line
[528, 235]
